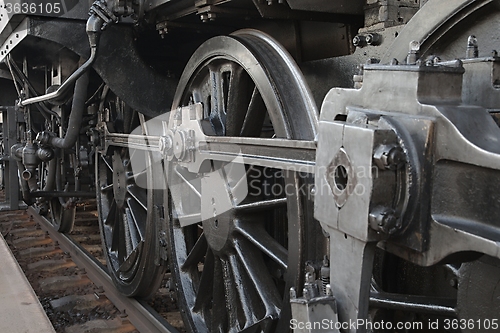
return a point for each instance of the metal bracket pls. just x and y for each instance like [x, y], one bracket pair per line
[313, 315]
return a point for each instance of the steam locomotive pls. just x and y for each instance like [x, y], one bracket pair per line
[297, 165]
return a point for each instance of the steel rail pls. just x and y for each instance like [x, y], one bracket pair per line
[144, 319]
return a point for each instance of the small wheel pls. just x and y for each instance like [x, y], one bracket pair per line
[234, 271]
[129, 213]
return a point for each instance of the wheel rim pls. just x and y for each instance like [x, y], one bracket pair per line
[62, 212]
[128, 214]
[62, 218]
[234, 271]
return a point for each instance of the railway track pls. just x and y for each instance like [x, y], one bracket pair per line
[68, 273]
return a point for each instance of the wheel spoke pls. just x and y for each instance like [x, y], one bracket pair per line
[188, 219]
[106, 162]
[107, 188]
[219, 313]
[230, 294]
[196, 255]
[264, 242]
[216, 100]
[128, 234]
[238, 99]
[133, 176]
[111, 217]
[136, 221]
[138, 216]
[245, 295]
[117, 233]
[138, 195]
[263, 283]
[187, 182]
[254, 116]
[205, 287]
[262, 205]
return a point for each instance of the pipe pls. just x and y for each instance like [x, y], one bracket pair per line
[25, 191]
[66, 85]
[63, 194]
[94, 26]
[420, 304]
[75, 118]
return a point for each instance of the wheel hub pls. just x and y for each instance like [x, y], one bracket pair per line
[119, 180]
[218, 231]
[217, 211]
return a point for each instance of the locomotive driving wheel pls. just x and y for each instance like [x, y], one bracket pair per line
[129, 211]
[234, 271]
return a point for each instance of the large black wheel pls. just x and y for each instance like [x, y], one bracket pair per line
[234, 271]
[129, 211]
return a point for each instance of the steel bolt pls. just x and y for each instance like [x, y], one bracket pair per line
[306, 294]
[359, 41]
[472, 47]
[329, 290]
[384, 220]
[432, 61]
[313, 190]
[413, 53]
[166, 145]
[389, 157]
[373, 39]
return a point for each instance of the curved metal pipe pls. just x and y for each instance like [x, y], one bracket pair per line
[75, 118]
[94, 26]
[66, 85]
